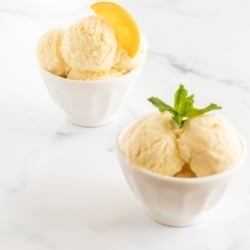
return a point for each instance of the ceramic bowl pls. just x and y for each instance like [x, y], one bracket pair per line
[89, 103]
[175, 201]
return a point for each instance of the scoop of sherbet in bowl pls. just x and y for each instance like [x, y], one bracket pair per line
[87, 70]
[180, 161]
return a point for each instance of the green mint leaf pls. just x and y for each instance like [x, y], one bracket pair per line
[162, 106]
[183, 108]
[183, 103]
[195, 111]
[179, 97]
[187, 105]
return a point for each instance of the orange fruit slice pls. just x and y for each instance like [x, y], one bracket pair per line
[125, 27]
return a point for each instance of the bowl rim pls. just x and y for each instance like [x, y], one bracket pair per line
[91, 81]
[173, 179]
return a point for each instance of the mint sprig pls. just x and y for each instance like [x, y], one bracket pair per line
[183, 108]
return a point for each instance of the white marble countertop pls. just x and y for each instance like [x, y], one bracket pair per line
[61, 186]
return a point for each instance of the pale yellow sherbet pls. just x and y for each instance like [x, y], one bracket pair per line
[49, 53]
[151, 144]
[209, 144]
[206, 145]
[90, 45]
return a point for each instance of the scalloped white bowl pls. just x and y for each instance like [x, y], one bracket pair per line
[90, 103]
[176, 201]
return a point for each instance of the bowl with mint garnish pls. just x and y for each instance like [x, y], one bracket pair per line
[180, 160]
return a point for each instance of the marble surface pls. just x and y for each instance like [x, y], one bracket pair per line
[61, 186]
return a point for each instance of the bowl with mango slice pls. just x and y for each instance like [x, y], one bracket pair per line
[91, 66]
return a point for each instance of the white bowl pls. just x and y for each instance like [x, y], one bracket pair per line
[89, 103]
[175, 201]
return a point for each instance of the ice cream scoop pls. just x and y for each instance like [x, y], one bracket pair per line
[49, 52]
[89, 45]
[209, 144]
[152, 144]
